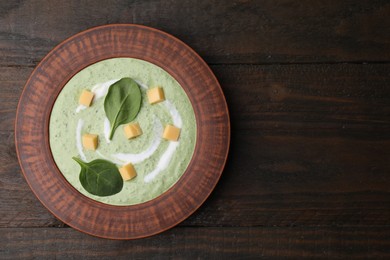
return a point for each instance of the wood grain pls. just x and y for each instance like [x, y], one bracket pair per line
[12, 80]
[321, 111]
[307, 175]
[220, 31]
[194, 243]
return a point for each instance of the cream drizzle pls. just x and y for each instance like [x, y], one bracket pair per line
[79, 144]
[144, 86]
[107, 129]
[100, 90]
[167, 156]
[139, 157]
[163, 162]
[174, 114]
[106, 158]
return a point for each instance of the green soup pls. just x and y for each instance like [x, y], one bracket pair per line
[159, 163]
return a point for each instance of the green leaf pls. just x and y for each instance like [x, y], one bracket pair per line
[100, 177]
[122, 103]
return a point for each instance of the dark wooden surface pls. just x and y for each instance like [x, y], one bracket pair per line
[307, 84]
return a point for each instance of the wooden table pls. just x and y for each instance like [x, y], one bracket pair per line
[307, 84]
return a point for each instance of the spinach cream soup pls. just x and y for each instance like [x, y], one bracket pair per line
[158, 162]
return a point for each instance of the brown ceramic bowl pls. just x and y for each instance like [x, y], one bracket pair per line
[32, 131]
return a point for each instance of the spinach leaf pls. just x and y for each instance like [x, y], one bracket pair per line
[100, 177]
[122, 103]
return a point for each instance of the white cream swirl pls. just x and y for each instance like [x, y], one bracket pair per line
[79, 144]
[167, 156]
[139, 157]
[100, 90]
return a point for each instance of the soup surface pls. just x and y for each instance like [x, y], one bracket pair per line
[159, 163]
